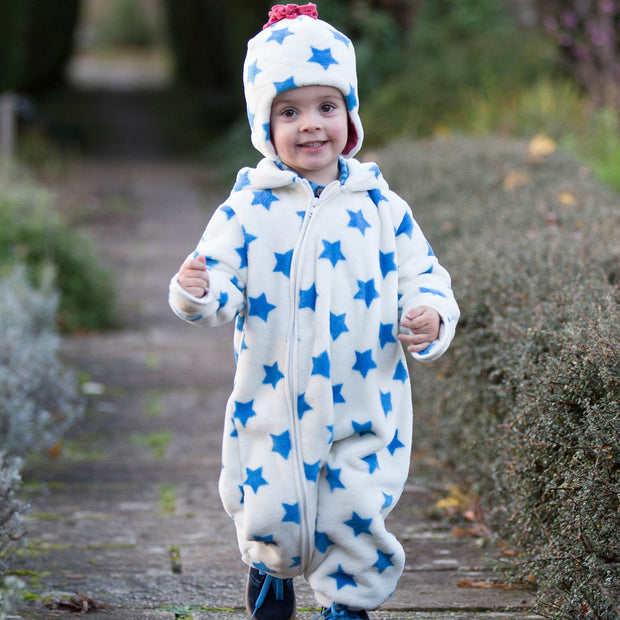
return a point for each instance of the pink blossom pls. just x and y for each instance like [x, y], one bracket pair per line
[608, 7]
[569, 20]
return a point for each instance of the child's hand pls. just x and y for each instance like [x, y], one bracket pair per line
[424, 323]
[193, 276]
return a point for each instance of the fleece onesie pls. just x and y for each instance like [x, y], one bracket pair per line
[318, 427]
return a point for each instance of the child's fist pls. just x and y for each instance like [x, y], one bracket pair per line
[193, 276]
[423, 322]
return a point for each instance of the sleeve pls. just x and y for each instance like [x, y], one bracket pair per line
[224, 247]
[422, 281]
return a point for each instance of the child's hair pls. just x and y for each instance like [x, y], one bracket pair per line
[295, 49]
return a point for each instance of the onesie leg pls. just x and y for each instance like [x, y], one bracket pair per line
[356, 561]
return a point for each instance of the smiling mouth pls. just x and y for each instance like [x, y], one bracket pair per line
[312, 145]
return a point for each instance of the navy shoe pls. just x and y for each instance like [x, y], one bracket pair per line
[342, 612]
[269, 598]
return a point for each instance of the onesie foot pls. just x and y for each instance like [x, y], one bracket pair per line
[269, 598]
[342, 612]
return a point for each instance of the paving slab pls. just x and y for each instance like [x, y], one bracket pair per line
[129, 513]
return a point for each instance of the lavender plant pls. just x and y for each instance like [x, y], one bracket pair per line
[38, 396]
[11, 530]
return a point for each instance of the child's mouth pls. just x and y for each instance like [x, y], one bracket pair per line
[312, 145]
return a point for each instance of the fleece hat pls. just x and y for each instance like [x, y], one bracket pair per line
[295, 49]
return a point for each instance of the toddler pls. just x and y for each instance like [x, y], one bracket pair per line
[329, 278]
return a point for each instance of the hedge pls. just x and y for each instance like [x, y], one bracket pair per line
[524, 407]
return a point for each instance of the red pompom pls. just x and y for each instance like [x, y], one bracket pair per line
[290, 11]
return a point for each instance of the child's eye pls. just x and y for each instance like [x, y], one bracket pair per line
[328, 107]
[288, 112]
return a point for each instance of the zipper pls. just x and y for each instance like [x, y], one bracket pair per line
[295, 283]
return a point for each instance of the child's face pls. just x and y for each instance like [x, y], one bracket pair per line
[309, 129]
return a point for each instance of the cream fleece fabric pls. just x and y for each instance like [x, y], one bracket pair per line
[318, 427]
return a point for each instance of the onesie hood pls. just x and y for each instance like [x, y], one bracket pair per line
[295, 49]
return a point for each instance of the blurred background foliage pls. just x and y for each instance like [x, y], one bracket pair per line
[513, 67]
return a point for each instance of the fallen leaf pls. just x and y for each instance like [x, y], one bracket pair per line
[456, 500]
[471, 583]
[515, 179]
[540, 146]
[442, 132]
[55, 451]
[80, 604]
[566, 199]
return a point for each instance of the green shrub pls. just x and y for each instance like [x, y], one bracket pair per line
[456, 50]
[526, 412]
[38, 397]
[31, 232]
[127, 23]
[11, 526]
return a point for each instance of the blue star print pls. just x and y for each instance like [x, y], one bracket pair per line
[362, 429]
[386, 402]
[302, 406]
[228, 211]
[343, 579]
[261, 566]
[286, 85]
[337, 394]
[322, 541]
[367, 291]
[243, 254]
[282, 444]
[280, 35]
[351, 99]
[401, 373]
[364, 362]
[373, 463]
[268, 540]
[321, 365]
[432, 291]
[260, 307]
[253, 71]
[323, 57]
[283, 263]
[272, 375]
[340, 37]
[291, 513]
[357, 220]
[307, 298]
[358, 525]
[387, 501]
[387, 263]
[337, 325]
[386, 334]
[264, 197]
[311, 470]
[333, 478]
[244, 411]
[255, 478]
[243, 180]
[406, 226]
[332, 252]
[395, 444]
[384, 560]
[376, 196]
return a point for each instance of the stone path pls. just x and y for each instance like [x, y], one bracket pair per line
[129, 515]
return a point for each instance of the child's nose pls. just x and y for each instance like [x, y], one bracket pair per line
[310, 121]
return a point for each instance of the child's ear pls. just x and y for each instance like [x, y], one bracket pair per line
[351, 138]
